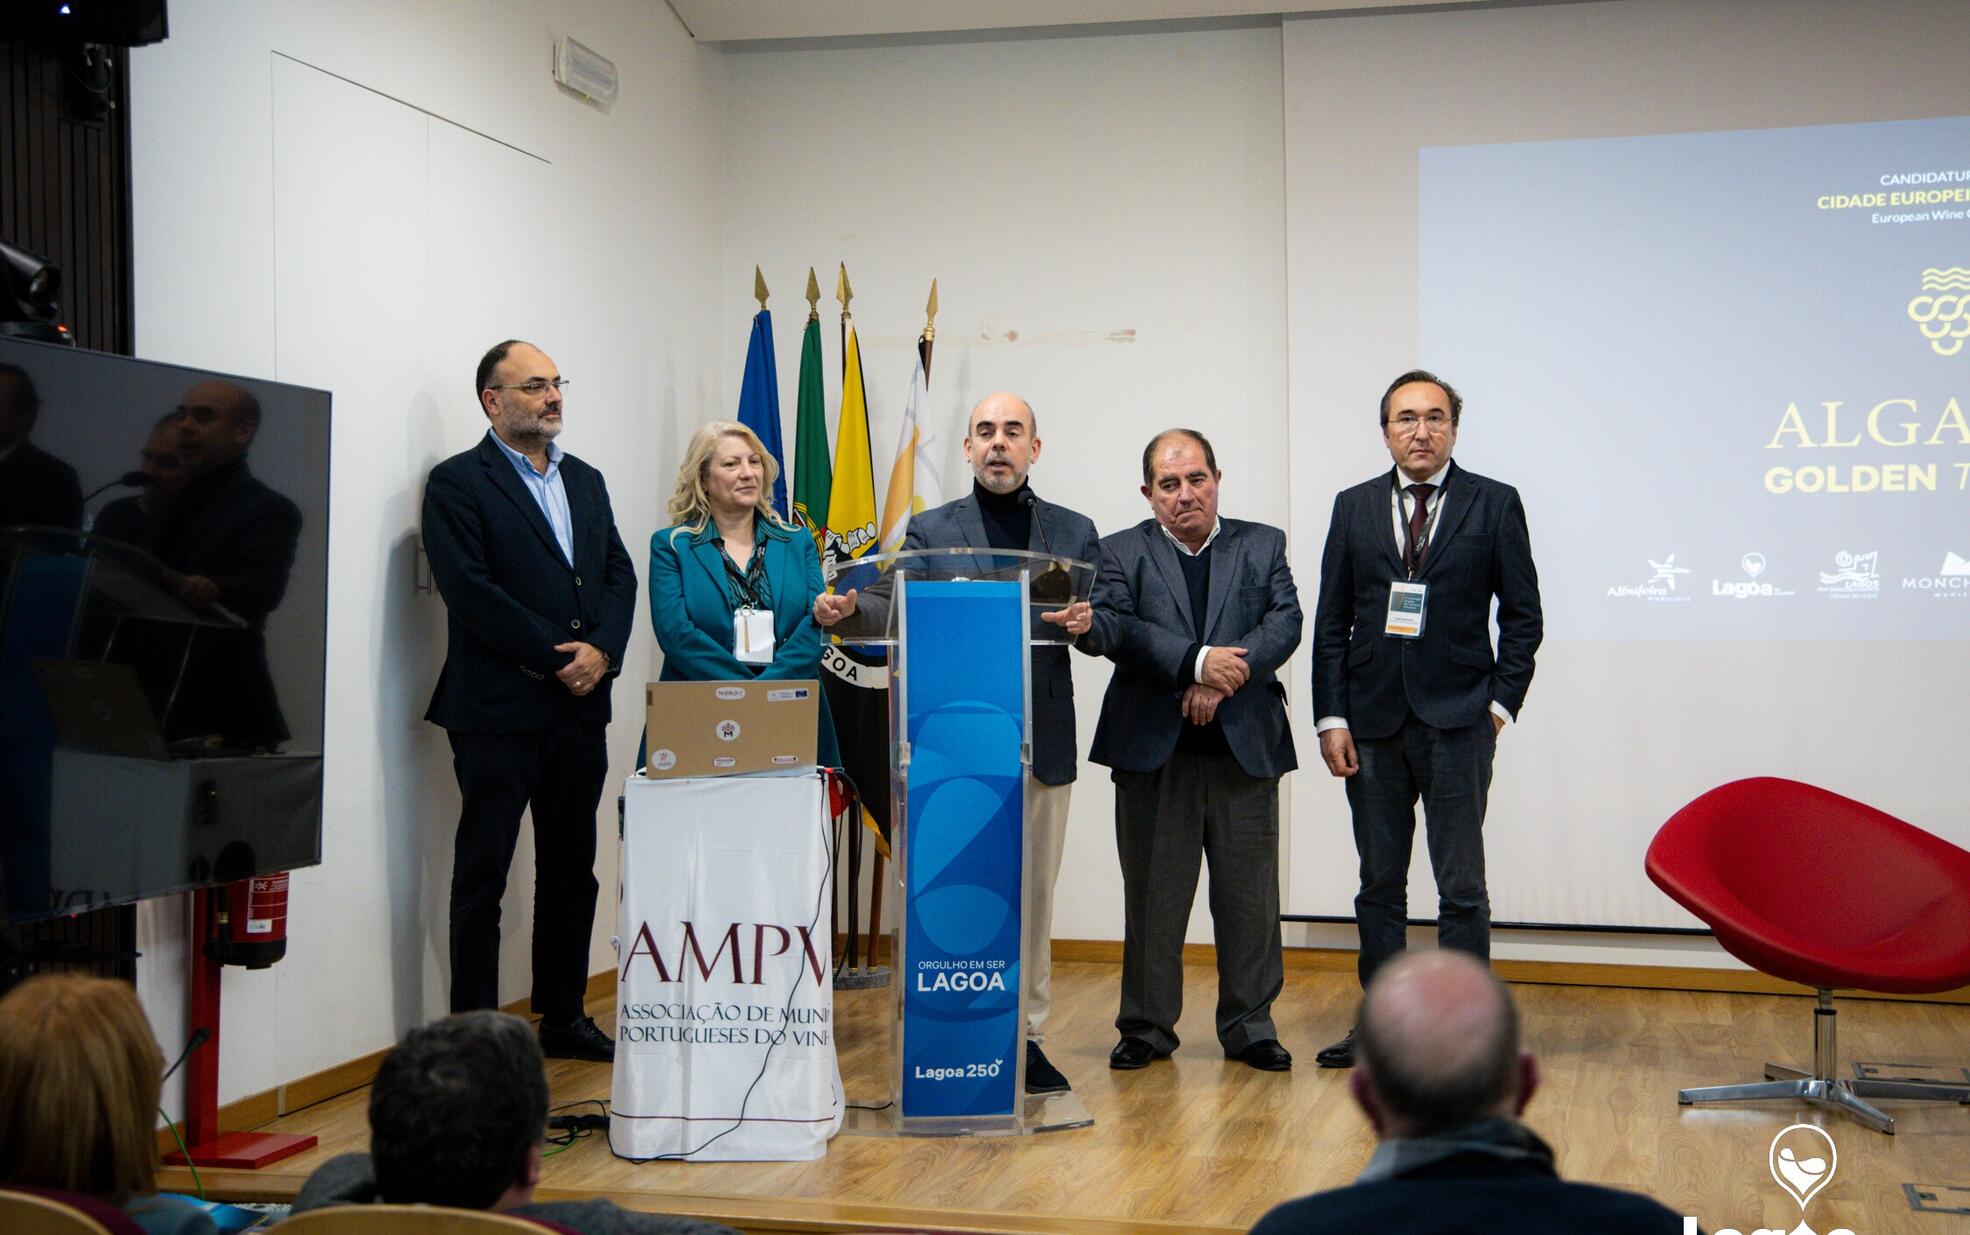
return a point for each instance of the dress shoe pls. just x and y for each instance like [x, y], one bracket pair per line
[1131, 1053]
[1266, 1055]
[1339, 1055]
[1041, 1075]
[577, 1039]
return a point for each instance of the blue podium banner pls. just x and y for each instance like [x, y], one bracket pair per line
[964, 703]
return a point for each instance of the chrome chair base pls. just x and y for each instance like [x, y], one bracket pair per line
[1821, 1088]
[1838, 1095]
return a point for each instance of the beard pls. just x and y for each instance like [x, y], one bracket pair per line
[1000, 482]
[530, 427]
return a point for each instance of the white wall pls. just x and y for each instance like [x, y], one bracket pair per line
[1104, 216]
[363, 196]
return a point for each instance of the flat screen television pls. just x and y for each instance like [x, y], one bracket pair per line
[163, 623]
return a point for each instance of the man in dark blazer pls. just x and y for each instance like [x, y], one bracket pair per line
[1443, 1081]
[1198, 613]
[539, 597]
[1002, 512]
[1409, 697]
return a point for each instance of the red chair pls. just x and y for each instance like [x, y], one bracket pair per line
[1821, 890]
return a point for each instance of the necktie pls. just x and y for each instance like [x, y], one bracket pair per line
[1412, 549]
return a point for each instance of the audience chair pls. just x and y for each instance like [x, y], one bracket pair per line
[44, 1211]
[411, 1220]
[1814, 888]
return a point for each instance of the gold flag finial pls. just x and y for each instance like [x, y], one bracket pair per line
[843, 292]
[813, 296]
[930, 314]
[759, 288]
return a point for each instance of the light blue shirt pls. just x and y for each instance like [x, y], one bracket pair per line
[548, 490]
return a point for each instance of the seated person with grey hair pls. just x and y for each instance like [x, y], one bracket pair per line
[456, 1117]
[1440, 1076]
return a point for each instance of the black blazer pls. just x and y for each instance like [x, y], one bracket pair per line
[1062, 533]
[510, 596]
[235, 530]
[1463, 1195]
[1057, 531]
[1142, 622]
[1448, 677]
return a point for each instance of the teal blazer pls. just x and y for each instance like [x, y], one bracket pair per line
[691, 606]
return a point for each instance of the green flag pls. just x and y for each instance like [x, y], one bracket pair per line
[813, 478]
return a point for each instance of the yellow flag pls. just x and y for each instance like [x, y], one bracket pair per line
[852, 501]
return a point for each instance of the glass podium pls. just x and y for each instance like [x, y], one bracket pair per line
[959, 627]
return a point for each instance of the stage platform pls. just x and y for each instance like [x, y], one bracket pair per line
[1200, 1144]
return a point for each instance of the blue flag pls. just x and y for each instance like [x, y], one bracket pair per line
[759, 402]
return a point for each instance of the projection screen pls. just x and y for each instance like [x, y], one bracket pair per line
[1702, 274]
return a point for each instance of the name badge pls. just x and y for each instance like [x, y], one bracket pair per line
[752, 636]
[1405, 620]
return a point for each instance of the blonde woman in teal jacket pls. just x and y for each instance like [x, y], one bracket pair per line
[727, 549]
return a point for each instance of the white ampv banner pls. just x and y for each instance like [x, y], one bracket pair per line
[725, 1000]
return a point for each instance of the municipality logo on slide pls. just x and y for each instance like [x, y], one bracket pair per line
[1802, 1158]
[1660, 586]
[1942, 311]
[1952, 582]
[1855, 576]
[1751, 587]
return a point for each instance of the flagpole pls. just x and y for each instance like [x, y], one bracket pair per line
[925, 342]
[928, 339]
[813, 471]
[844, 293]
[759, 395]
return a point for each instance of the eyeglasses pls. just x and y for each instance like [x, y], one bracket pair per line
[537, 387]
[1408, 422]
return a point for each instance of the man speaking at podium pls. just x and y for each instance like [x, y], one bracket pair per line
[539, 596]
[1001, 444]
[1408, 696]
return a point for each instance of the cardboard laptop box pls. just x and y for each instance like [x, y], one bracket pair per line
[725, 728]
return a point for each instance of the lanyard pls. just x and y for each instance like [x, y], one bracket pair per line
[1413, 554]
[749, 587]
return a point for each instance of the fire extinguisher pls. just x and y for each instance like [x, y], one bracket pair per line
[252, 921]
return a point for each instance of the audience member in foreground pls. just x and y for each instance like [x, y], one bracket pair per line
[1440, 1076]
[456, 1117]
[80, 1074]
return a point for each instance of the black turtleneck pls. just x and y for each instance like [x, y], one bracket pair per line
[1008, 519]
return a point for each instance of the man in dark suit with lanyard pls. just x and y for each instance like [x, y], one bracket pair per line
[1198, 613]
[1408, 694]
[539, 597]
[1001, 444]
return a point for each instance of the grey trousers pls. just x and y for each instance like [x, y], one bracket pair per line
[1199, 806]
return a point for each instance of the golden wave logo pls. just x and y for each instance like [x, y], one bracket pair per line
[1942, 311]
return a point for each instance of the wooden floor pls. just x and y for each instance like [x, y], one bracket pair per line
[1200, 1144]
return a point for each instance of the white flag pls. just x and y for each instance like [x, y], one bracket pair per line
[914, 483]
